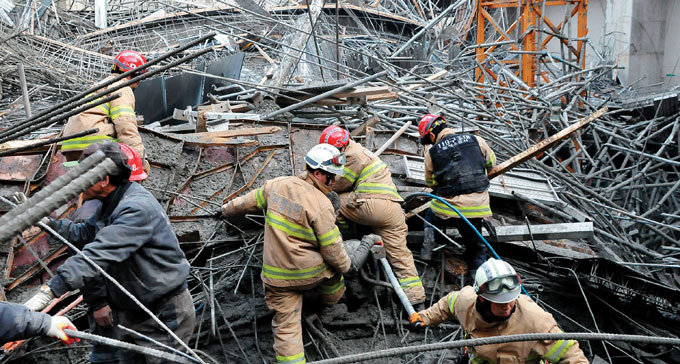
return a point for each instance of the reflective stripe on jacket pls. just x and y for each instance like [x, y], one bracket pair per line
[366, 175]
[528, 317]
[115, 119]
[471, 205]
[302, 245]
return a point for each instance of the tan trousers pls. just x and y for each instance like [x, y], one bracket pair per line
[287, 324]
[387, 219]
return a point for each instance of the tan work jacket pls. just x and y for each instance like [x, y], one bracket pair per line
[116, 121]
[528, 317]
[366, 175]
[471, 205]
[302, 245]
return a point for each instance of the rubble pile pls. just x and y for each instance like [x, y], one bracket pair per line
[590, 216]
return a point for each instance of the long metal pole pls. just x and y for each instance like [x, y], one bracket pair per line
[128, 346]
[427, 27]
[324, 95]
[24, 90]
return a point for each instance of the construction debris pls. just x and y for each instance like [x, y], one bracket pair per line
[584, 199]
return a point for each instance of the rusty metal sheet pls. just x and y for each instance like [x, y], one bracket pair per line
[19, 168]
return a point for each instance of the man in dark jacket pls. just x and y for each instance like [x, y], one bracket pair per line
[130, 237]
[17, 322]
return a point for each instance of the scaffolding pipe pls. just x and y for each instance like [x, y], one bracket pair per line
[128, 346]
[499, 340]
[324, 95]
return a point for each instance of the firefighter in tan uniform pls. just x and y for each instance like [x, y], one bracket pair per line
[116, 120]
[368, 197]
[494, 307]
[456, 169]
[302, 246]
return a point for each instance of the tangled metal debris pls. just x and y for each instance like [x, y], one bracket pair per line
[592, 222]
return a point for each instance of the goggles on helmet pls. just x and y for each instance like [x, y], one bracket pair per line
[338, 160]
[496, 285]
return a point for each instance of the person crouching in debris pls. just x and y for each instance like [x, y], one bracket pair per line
[495, 307]
[116, 120]
[302, 246]
[131, 238]
[17, 322]
[455, 168]
[369, 197]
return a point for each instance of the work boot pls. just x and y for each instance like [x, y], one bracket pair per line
[428, 244]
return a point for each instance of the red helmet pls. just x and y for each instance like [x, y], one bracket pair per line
[129, 60]
[427, 123]
[135, 163]
[335, 136]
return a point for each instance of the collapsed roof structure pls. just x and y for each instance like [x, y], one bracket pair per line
[586, 203]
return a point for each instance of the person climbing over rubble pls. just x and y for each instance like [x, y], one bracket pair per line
[369, 197]
[303, 248]
[456, 169]
[116, 120]
[131, 238]
[495, 307]
[18, 322]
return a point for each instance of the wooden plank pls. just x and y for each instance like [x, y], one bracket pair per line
[432, 77]
[544, 144]
[370, 122]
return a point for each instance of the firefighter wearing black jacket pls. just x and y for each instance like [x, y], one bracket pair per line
[456, 169]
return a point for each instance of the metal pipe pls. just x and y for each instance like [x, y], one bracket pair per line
[392, 138]
[47, 142]
[499, 340]
[24, 90]
[397, 287]
[128, 346]
[427, 27]
[324, 95]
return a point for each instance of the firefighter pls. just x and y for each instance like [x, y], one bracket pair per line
[456, 169]
[116, 120]
[303, 248]
[495, 307]
[369, 197]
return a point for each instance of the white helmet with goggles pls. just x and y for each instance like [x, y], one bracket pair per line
[496, 281]
[326, 157]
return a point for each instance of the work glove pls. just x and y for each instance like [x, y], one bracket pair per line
[417, 321]
[103, 316]
[19, 198]
[57, 326]
[41, 299]
[335, 201]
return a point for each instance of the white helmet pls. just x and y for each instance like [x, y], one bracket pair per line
[326, 157]
[497, 281]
